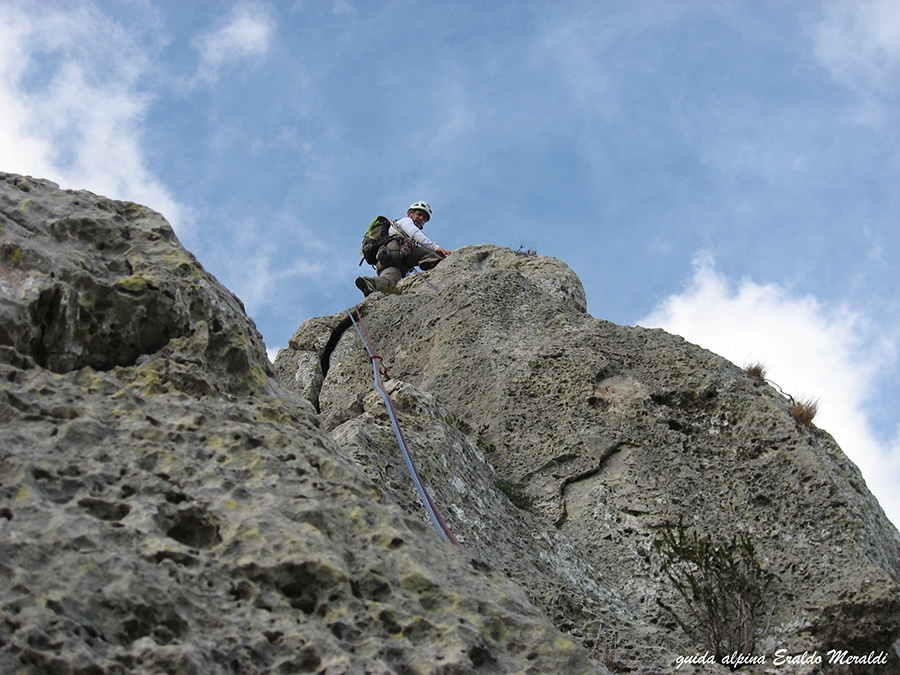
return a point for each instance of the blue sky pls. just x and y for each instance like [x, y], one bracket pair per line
[729, 171]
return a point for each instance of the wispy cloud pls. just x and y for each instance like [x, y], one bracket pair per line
[258, 262]
[810, 350]
[80, 123]
[859, 43]
[245, 34]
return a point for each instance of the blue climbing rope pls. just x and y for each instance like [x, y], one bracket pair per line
[424, 279]
[434, 515]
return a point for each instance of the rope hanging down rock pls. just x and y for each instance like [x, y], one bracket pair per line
[425, 280]
[434, 515]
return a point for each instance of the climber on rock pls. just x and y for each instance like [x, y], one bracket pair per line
[407, 247]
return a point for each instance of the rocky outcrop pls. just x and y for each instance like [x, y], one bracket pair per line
[612, 432]
[167, 506]
[170, 502]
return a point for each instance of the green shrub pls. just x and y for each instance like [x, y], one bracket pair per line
[481, 440]
[720, 586]
[516, 493]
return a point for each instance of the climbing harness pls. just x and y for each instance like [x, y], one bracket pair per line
[434, 515]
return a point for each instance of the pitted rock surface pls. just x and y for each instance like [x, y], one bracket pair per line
[612, 431]
[169, 502]
[166, 506]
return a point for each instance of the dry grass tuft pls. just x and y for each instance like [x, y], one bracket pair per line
[757, 371]
[530, 252]
[804, 410]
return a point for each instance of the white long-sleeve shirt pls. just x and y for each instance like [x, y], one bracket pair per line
[408, 228]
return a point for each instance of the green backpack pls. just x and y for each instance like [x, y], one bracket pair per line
[378, 234]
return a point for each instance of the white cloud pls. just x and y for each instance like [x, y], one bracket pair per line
[249, 259]
[860, 40]
[258, 280]
[859, 43]
[71, 109]
[810, 350]
[245, 34]
[272, 353]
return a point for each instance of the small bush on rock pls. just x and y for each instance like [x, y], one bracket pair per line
[721, 587]
[528, 252]
[516, 493]
[481, 440]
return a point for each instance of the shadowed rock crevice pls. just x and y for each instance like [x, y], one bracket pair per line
[310, 353]
[89, 282]
[587, 474]
[101, 327]
[336, 335]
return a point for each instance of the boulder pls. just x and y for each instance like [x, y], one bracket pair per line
[166, 505]
[606, 436]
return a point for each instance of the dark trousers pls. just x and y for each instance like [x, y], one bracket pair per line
[396, 265]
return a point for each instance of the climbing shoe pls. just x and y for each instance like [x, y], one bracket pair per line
[365, 285]
[429, 264]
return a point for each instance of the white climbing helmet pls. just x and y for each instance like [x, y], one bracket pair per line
[422, 206]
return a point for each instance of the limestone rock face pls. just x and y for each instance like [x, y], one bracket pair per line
[91, 282]
[166, 505]
[506, 388]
